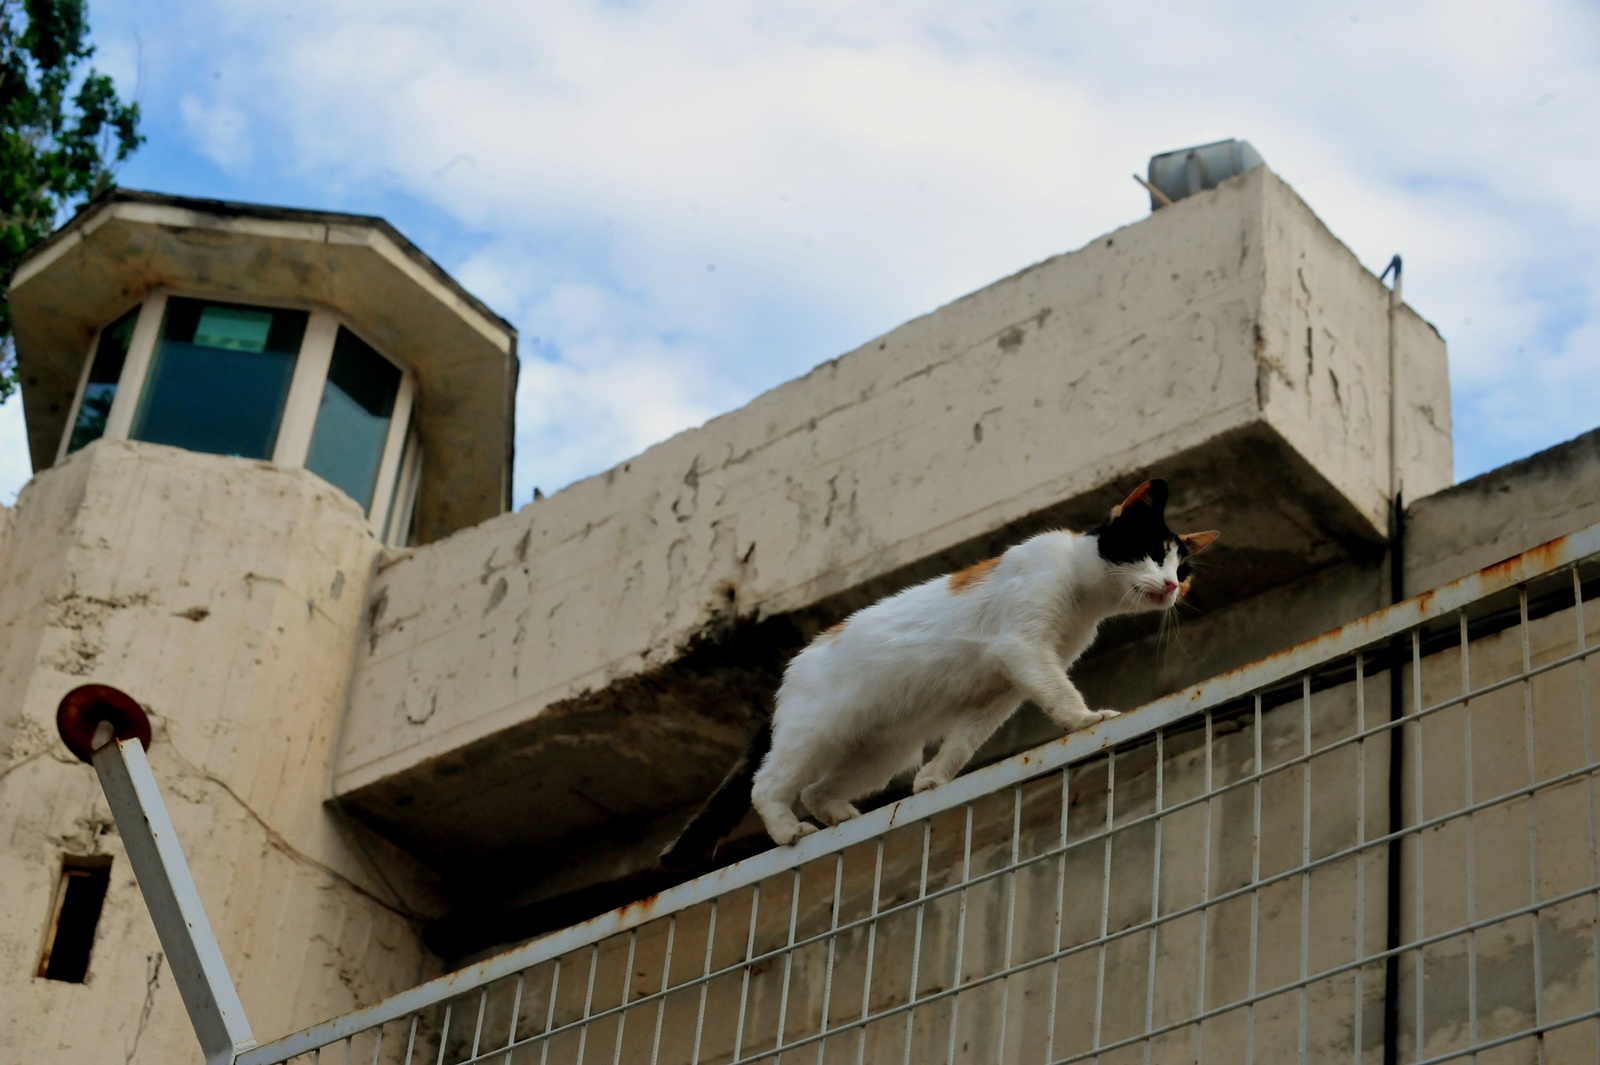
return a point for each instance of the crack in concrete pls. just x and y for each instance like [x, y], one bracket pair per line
[153, 962]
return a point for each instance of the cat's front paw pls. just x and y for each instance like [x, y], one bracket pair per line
[925, 782]
[1097, 716]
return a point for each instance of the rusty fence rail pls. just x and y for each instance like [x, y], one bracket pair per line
[1206, 879]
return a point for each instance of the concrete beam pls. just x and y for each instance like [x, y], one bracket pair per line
[592, 662]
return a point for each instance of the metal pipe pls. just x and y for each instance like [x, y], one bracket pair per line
[108, 729]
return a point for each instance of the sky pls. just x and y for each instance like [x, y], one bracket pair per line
[681, 205]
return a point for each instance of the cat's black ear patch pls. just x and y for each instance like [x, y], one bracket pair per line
[1152, 494]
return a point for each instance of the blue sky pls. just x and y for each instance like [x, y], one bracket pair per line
[681, 205]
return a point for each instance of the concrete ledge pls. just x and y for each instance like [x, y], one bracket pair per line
[582, 667]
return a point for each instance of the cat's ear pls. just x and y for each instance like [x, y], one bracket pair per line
[1152, 493]
[1197, 542]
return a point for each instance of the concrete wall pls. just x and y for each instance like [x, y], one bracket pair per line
[553, 674]
[1503, 512]
[226, 596]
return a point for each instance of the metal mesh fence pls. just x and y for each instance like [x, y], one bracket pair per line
[1219, 877]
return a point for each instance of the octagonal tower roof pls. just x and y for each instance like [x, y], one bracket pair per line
[127, 244]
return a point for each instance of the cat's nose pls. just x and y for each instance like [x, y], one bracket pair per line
[1171, 586]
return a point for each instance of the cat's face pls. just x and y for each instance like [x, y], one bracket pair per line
[1148, 560]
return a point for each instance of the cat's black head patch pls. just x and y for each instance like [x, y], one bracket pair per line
[1138, 530]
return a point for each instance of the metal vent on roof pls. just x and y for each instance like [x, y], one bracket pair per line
[1174, 175]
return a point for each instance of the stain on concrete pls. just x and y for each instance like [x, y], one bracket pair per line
[497, 594]
[83, 617]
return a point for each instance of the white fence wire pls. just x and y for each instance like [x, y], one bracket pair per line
[1207, 879]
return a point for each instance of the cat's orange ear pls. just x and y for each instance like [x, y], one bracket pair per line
[1197, 542]
[1153, 492]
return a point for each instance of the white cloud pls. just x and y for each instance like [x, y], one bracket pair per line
[220, 129]
[686, 203]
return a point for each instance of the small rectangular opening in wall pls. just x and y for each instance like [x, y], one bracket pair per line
[80, 894]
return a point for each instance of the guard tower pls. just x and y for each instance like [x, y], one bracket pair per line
[304, 338]
[236, 414]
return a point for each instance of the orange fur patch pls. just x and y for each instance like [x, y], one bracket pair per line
[832, 631]
[961, 580]
[1197, 542]
[1183, 587]
[1133, 497]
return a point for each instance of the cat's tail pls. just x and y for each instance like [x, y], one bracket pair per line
[722, 811]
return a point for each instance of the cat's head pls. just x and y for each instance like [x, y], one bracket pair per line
[1149, 562]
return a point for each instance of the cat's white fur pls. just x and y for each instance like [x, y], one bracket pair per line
[945, 661]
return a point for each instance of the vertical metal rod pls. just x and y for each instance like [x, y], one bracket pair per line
[477, 1031]
[550, 1015]
[1358, 1013]
[169, 893]
[1061, 905]
[788, 961]
[1255, 894]
[1105, 897]
[872, 943]
[444, 1034]
[961, 937]
[627, 989]
[1155, 897]
[411, 1037]
[916, 940]
[1420, 876]
[1533, 811]
[516, 1015]
[1588, 760]
[1305, 862]
[666, 977]
[588, 1003]
[1011, 918]
[1397, 593]
[1205, 897]
[377, 1046]
[744, 979]
[705, 986]
[1395, 487]
[833, 941]
[1472, 833]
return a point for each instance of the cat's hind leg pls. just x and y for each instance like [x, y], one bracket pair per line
[963, 740]
[825, 804]
[773, 791]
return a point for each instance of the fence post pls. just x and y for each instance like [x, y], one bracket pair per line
[106, 728]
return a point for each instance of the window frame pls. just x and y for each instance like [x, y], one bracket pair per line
[300, 407]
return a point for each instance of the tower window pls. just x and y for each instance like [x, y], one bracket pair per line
[101, 388]
[353, 418]
[219, 378]
[80, 894]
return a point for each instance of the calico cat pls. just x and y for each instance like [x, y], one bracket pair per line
[948, 660]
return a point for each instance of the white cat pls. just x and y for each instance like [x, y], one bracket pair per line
[948, 660]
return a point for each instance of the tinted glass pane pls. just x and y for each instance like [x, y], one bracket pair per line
[353, 421]
[104, 373]
[219, 378]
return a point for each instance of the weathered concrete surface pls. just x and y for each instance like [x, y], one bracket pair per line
[226, 596]
[587, 665]
[129, 244]
[1503, 512]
